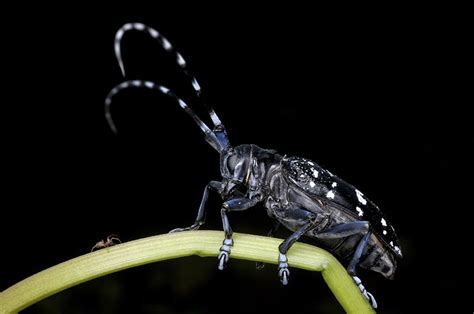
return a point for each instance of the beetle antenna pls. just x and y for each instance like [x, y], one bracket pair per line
[166, 45]
[210, 136]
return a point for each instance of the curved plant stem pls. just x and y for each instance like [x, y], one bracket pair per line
[169, 246]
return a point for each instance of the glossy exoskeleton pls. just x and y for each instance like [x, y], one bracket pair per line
[296, 192]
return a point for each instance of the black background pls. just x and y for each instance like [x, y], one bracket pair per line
[372, 95]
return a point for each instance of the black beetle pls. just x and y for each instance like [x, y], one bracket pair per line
[296, 192]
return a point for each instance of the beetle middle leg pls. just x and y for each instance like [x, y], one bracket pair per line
[235, 204]
[311, 223]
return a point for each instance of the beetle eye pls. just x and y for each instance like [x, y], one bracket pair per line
[231, 163]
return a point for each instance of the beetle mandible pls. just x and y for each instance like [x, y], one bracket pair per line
[296, 192]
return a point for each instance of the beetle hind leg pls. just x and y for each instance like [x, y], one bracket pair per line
[351, 269]
[366, 293]
[348, 229]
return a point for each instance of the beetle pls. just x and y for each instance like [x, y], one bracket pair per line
[296, 192]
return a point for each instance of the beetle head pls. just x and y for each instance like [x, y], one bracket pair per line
[236, 166]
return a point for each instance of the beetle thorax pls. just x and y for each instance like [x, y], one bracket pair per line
[246, 166]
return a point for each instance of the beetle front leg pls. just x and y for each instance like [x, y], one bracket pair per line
[201, 215]
[235, 204]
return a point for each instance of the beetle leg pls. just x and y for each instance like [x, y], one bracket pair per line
[346, 230]
[360, 248]
[201, 215]
[273, 230]
[366, 293]
[235, 204]
[283, 271]
[351, 269]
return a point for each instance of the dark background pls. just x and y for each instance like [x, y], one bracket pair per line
[373, 95]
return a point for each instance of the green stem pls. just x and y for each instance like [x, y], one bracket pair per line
[169, 246]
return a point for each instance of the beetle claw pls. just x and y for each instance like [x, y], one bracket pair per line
[223, 258]
[259, 265]
[371, 299]
[284, 275]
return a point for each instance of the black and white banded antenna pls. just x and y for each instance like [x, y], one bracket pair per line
[166, 45]
[210, 135]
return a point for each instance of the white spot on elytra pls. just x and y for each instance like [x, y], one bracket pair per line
[391, 243]
[360, 197]
[330, 194]
[359, 211]
[397, 249]
[311, 163]
[334, 184]
[384, 222]
[312, 184]
[315, 173]
[384, 232]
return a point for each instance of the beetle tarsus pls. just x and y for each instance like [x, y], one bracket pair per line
[371, 299]
[366, 294]
[283, 270]
[190, 228]
[224, 253]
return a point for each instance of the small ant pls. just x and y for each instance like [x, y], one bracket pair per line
[111, 240]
